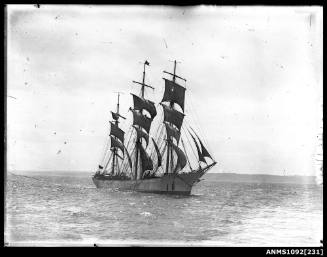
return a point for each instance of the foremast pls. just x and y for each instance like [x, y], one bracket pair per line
[174, 94]
[173, 120]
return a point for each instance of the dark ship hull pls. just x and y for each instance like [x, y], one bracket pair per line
[176, 184]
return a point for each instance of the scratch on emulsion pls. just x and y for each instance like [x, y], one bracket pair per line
[165, 43]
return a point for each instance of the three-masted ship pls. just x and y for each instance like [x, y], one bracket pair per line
[156, 162]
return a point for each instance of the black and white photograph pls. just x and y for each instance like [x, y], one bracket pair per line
[163, 125]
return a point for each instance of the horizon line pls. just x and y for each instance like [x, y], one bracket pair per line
[83, 171]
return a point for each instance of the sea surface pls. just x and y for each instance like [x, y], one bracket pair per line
[68, 210]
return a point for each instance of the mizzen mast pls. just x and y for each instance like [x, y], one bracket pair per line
[118, 134]
[116, 137]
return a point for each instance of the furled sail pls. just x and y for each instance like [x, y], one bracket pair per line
[173, 116]
[201, 157]
[143, 104]
[158, 152]
[117, 132]
[116, 116]
[204, 151]
[115, 143]
[174, 93]
[141, 134]
[147, 163]
[181, 158]
[172, 132]
[141, 120]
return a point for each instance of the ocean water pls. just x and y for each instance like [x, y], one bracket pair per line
[69, 210]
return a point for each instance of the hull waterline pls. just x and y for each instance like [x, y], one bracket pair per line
[168, 184]
[176, 184]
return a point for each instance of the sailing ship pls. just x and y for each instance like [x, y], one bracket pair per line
[156, 162]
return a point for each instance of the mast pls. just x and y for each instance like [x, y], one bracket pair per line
[143, 85]
[138, 142]
[116, 139]
[143, 80]
[169, 96]
[114, 151]
[171, 104]
[140, 122]
[136, 159]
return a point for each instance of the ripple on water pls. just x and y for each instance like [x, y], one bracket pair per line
[60, 208]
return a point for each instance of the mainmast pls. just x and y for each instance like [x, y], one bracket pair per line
[143, 85]
[142, 124]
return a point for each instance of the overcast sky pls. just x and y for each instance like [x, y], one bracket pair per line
[254, 80]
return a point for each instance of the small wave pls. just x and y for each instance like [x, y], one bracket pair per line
[177, 224]
[227, 221]
[80, 214]
[197, 195]
[75, 212]
[146, 214]
[214, 232]
[88, 187]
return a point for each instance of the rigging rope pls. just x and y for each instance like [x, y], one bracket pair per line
[104, 151]
[188, 161]
[187, 138]
[202, 133]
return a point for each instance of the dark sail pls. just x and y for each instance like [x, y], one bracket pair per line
[201, 158]
[117, 132]
[114, 115]
[147, 163]
[204, 151]
[173, 116]
[143, 104]
[140, 120]
[181, 158]
[158, 153]
[174, 93]
[172, 132]
[115, 143]
[141, 134]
